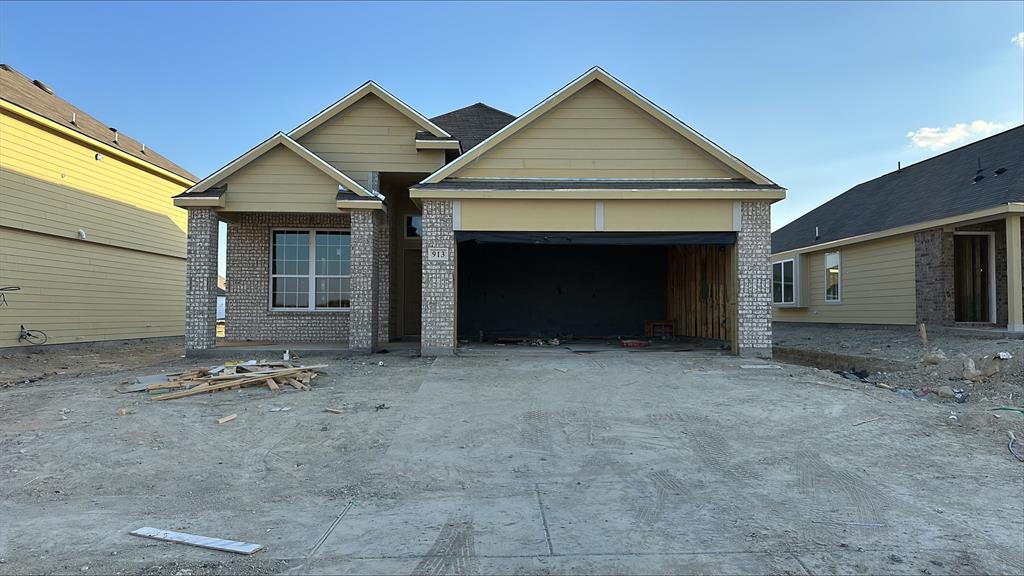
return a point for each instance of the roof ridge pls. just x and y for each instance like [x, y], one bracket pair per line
[941, 154]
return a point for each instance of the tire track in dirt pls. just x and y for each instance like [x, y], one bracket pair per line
[453, 552]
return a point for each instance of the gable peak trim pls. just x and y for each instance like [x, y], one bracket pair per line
[368, 87]
[598, 74]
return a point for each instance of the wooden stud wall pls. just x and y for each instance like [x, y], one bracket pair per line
[699, 280]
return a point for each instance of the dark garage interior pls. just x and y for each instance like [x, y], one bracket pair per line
[523, 285]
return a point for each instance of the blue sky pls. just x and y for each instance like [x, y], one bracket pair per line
[816, 96]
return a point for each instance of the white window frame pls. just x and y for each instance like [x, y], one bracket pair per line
[310, 275]
[793, 283]
[839, 295]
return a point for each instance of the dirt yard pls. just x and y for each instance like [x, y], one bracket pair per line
[507, 460]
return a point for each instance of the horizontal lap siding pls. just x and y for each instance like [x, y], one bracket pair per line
[596, 134]
[877, 285]
[371, 136]
[280, 181]
[81, 291]
[54, 185]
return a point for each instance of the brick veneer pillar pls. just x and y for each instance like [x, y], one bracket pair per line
[438, 311]
[383, 235]
[201, 280]
[363, 320]
[754, 280]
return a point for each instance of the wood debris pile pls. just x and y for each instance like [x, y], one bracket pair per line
[273, 375]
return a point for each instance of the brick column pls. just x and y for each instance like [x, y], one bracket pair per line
[363, 317]
[438, 318]
[201, 280]
[1014, 275]
[754, 280]
[383, 229]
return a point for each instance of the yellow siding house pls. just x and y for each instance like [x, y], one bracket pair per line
[91, 245]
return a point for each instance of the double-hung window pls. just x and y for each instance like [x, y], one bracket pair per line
[782, 283]
[310, 270]
[833, 277]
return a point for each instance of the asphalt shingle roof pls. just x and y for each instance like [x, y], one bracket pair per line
[939, 187]
[20, 90]
[473, 124]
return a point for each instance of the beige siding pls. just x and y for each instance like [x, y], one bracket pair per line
[81, 291]
[527, 215]
[877, 285]
[371, 136]
[54, 185]
[596, 133]
[280, 181]
[668, 215]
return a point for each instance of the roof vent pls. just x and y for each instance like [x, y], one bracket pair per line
[74, 118]
[977, 178]
[1000, 171]
[43, 87]
[143, 147]
[114, 130]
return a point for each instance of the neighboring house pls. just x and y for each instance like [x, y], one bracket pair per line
[88, 232]
[938, 242]
[222, 295]
[593, 214]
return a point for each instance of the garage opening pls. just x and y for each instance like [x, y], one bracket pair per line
[594, 285]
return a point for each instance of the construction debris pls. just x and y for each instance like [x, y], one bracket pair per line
[200, 541]
[1011, 446]
[227, 418]
[273, 375]
[334, 410]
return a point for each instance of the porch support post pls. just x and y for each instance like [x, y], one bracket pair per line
[754, 280]
[201, 280]
[439, 274]
[364, 304]
[1014, 283]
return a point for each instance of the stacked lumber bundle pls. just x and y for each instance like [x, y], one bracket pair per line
[273, 375]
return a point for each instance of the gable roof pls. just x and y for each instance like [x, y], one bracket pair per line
[205, 187]
[356, 95]
[40, 99]
[596, 74]
[940, 187]
[472, 124]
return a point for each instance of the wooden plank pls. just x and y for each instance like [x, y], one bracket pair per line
[200, 541]
[227, 418]
[334, 410]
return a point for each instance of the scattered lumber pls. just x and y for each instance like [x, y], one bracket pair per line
[194, 540]
[273, 375]
[227, 418]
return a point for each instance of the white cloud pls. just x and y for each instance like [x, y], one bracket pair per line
[939, 138]
[1018, 39]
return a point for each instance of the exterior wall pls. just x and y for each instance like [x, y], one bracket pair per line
[877, 284]
[596, 133]
[438, 318]
[78, 291]
[124, 279]
[54, 185]
[754, 281]
[383, 261]
[363, 325]
[280, 181]
[933, 265]
[371, 136]
[596, 215]
[201, 280]
[248, 274]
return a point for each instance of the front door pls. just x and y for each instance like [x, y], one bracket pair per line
[412, 265]
[971, 277]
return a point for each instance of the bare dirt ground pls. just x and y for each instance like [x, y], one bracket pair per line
[509, 460]
[28, 365]
[923, 372]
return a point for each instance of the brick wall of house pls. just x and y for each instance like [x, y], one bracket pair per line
[754, 280]
[248, 315]
[438, 318]
[201, 280]
[933, 273]
[365, 288]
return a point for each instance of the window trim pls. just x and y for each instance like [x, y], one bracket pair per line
[793, 284]
[839, 285]
[311, 234]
